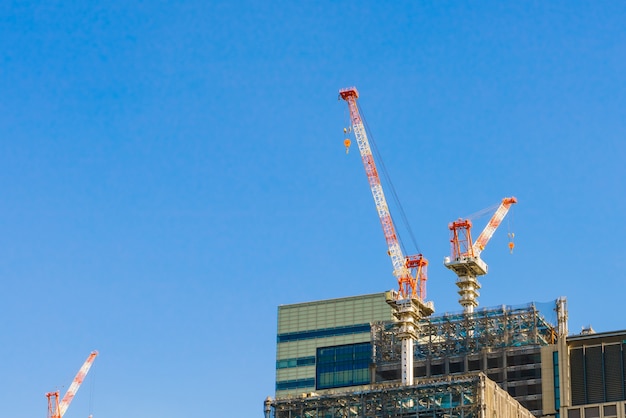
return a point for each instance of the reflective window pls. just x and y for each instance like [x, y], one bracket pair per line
[295, 362]
[323, 333]
[344, 365]
[295, 384]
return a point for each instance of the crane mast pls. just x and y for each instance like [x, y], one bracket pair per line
[57, 409]
[465, 258]
[408, 303]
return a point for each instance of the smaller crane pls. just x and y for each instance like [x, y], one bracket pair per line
[57, 409]
[465, 259]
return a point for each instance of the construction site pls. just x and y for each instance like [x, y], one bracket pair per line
[389, 355]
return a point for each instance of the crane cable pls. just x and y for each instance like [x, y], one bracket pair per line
[486, 211]
[392, 188]
[510, 234]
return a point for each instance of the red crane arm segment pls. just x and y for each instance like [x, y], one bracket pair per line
[78, 380]
[493, 224]
[407, 283]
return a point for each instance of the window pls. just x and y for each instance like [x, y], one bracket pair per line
[610, 410]
[573, 413]
[527, 374]
[295, 362]
[557, 386]
[344, 365]
[474, 364]
[436, 369]
[322, 333]
[494, 362]
[295, 384]
[456, 366]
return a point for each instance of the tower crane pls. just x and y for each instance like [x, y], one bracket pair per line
[410, 271]
[57, 409]
[465, 258]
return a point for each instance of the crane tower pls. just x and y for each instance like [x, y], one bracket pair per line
[408, 302]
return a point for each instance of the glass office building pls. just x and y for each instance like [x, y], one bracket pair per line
[326, 344]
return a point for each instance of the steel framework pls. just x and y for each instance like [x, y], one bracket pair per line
[462, 333]
[470, 396]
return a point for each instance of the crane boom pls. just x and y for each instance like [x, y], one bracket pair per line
[492, 225]
[406, 283]
[58, 409]
[408, 306]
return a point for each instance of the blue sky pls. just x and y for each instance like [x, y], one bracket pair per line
[173, 171]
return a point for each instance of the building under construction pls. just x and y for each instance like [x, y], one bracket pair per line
[385, 355]
[342, 358]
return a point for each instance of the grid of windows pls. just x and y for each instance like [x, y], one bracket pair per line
[333, 313]
[304, 327]
[341, 366]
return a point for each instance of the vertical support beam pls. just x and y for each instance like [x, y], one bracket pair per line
[267, 407]
[563, 354]
[408, 312]
[407, 361]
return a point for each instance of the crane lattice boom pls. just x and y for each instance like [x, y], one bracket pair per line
[407, 283]
[493, 224]
[57, 409]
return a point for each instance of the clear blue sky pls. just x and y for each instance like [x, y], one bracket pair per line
[171, 172]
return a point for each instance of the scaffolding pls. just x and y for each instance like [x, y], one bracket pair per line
[505, 343]
[465, 333]
[470, 396]
[465, 364]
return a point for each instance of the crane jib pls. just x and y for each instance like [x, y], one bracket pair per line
[408, 285]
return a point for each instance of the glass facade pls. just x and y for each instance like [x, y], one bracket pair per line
[326, 331]
[295, 384]
[346, 365]
[295, 362]
[323, 333]
[557, 384]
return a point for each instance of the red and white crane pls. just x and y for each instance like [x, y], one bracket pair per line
[465, 258]
[57, 409]
[410, 272]
[411, 284]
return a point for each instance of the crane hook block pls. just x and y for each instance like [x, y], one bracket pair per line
[347, 143]
[511, 246]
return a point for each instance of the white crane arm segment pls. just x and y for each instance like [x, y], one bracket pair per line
[78, 380]
[492, 225]
[400, 271]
